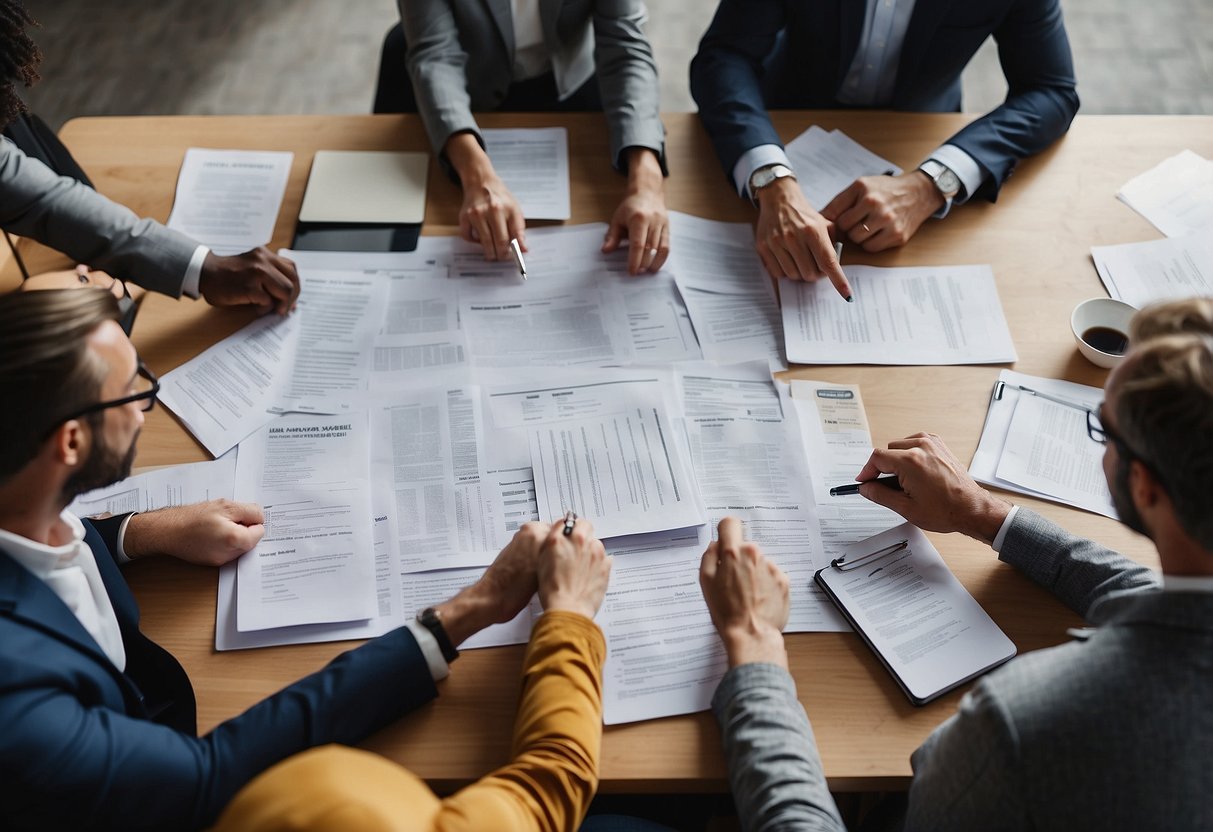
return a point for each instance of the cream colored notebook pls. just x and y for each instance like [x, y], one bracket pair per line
[358, 186]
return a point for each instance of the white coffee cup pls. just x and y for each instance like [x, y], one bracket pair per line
[1095, 323]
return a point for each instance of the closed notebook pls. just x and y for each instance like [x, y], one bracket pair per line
[923, 625]
[356, 186]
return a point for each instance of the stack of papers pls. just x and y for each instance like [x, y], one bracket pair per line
[1175, 195]
[534, 165]
[827, 163]
[1035, 442]
[1158, 270]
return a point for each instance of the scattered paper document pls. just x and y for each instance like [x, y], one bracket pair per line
[1035, 442]
[1157, 270]
[422, 360]
[916, 315]
[362, 186]
[228, 200]
[315, 563]
[176, 485]
[534, 165]
[827, 163]
[1176, 195]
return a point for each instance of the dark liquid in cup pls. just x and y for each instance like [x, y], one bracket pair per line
[1106, 339]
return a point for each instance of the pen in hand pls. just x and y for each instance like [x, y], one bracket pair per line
[853, 487]
[517, 249]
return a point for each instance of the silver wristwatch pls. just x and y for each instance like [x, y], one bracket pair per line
[946, 182]
[767, 174]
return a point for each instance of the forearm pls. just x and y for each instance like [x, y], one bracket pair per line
[470, 161]
[627, 79]
[774, 767]
[644, 171]
[552, 777]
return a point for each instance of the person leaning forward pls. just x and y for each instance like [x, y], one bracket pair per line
[1109, 731]
[99, 722]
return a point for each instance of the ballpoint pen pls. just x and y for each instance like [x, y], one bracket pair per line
[853, 487]
[517, 249]
[570, 523]
[843, 564]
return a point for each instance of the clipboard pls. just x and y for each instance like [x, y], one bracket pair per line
[907, 606]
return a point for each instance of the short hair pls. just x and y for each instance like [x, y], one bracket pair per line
[19, 58]
[1164, 411]
[46, 369]
[1173, 317]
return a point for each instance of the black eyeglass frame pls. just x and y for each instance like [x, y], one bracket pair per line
[148, 396]
[1099, 432]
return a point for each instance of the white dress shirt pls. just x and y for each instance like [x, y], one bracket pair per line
[70, 571]
[530, 54]
[193, 273]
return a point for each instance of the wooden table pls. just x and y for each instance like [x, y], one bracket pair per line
[1037, 238]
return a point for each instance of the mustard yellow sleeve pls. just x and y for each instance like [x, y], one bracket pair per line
[548, 785]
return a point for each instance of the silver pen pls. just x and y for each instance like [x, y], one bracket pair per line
[517, 249]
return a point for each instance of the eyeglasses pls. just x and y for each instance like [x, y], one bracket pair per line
[146, 387]
[1099, 431]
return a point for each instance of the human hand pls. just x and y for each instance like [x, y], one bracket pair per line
[573, 570]
[258, 277]
[207, 534]
[881, 212]
[747, 596]
[937, 493]
[489, 215]
[641, 218]
[795, 241]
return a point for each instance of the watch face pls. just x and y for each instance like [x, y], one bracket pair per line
[949, 182]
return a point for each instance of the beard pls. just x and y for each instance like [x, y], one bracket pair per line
[105, 465]
[1128, 513]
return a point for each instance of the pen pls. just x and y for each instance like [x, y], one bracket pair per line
[1049, 397]
[570, 523]
[517, 249]
[844, 564]
[853, 487]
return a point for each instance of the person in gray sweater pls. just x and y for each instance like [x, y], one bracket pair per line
[1110, 731]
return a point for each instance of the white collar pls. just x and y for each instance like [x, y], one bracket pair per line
[41, 558]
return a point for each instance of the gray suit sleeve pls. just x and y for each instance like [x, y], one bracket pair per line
[774, 768]
[627, 78]
[437, 67]
[70, 217]
[966, 774]
[1078, 571]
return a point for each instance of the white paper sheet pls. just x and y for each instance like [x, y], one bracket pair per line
[229, 199]
[826, 163]
[1055, 464]
[176, 485]
[534, 164]
[315, 563]
[1175, 195]
[1157, 270]
[915, 315]
[426, 359]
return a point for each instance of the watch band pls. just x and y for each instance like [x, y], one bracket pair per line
[767, 174]
[429, 619]
[943, 177]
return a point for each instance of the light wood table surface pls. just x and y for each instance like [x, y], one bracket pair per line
[1037, 238]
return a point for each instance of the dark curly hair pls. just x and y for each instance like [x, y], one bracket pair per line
[19, 58]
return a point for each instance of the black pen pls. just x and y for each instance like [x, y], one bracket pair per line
[853, 487]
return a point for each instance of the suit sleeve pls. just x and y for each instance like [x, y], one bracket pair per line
[1041, 98]
[774, 769]
[726, 77]
[1078, 571]
[627, 78]
[110, 769]
[70, 217]
[436, 65]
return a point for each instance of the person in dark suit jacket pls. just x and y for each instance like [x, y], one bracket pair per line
[894, 54]
[99, 727]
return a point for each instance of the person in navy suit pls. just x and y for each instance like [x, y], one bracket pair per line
[889, 54]
[97, 722]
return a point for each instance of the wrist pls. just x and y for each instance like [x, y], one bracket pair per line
[568, 603]
[781, 190]
[988, 518]
[754, 642]
[644, 171]
[142, 535]
[929, 194]
[464, 615]
[469, 159]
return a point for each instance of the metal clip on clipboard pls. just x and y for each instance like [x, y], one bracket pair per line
[844, 565]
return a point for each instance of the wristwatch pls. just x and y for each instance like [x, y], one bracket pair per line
[945, 181]
[766, 175]
[429, 619]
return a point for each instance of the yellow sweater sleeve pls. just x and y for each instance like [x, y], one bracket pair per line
[548, 785]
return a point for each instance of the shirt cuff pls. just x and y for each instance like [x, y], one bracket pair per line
[964, 166]
[439, 669]
[752, 160]
[122, 557]
[193, 273]
[1001, 537]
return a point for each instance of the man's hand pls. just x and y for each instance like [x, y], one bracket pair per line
[573, 570]
[489, 215]
[207, 534]
[747, 596]
[795, 241]
[258, 277]
[641, 218]
[937, 493]
[881, 212]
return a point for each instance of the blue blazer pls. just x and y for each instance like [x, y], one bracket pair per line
[794, 54]
[86, 746]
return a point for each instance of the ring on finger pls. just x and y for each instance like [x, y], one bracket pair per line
[864, 226]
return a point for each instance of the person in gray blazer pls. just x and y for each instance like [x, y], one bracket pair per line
[69, 216]
[533, 55]
[1109, 731]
